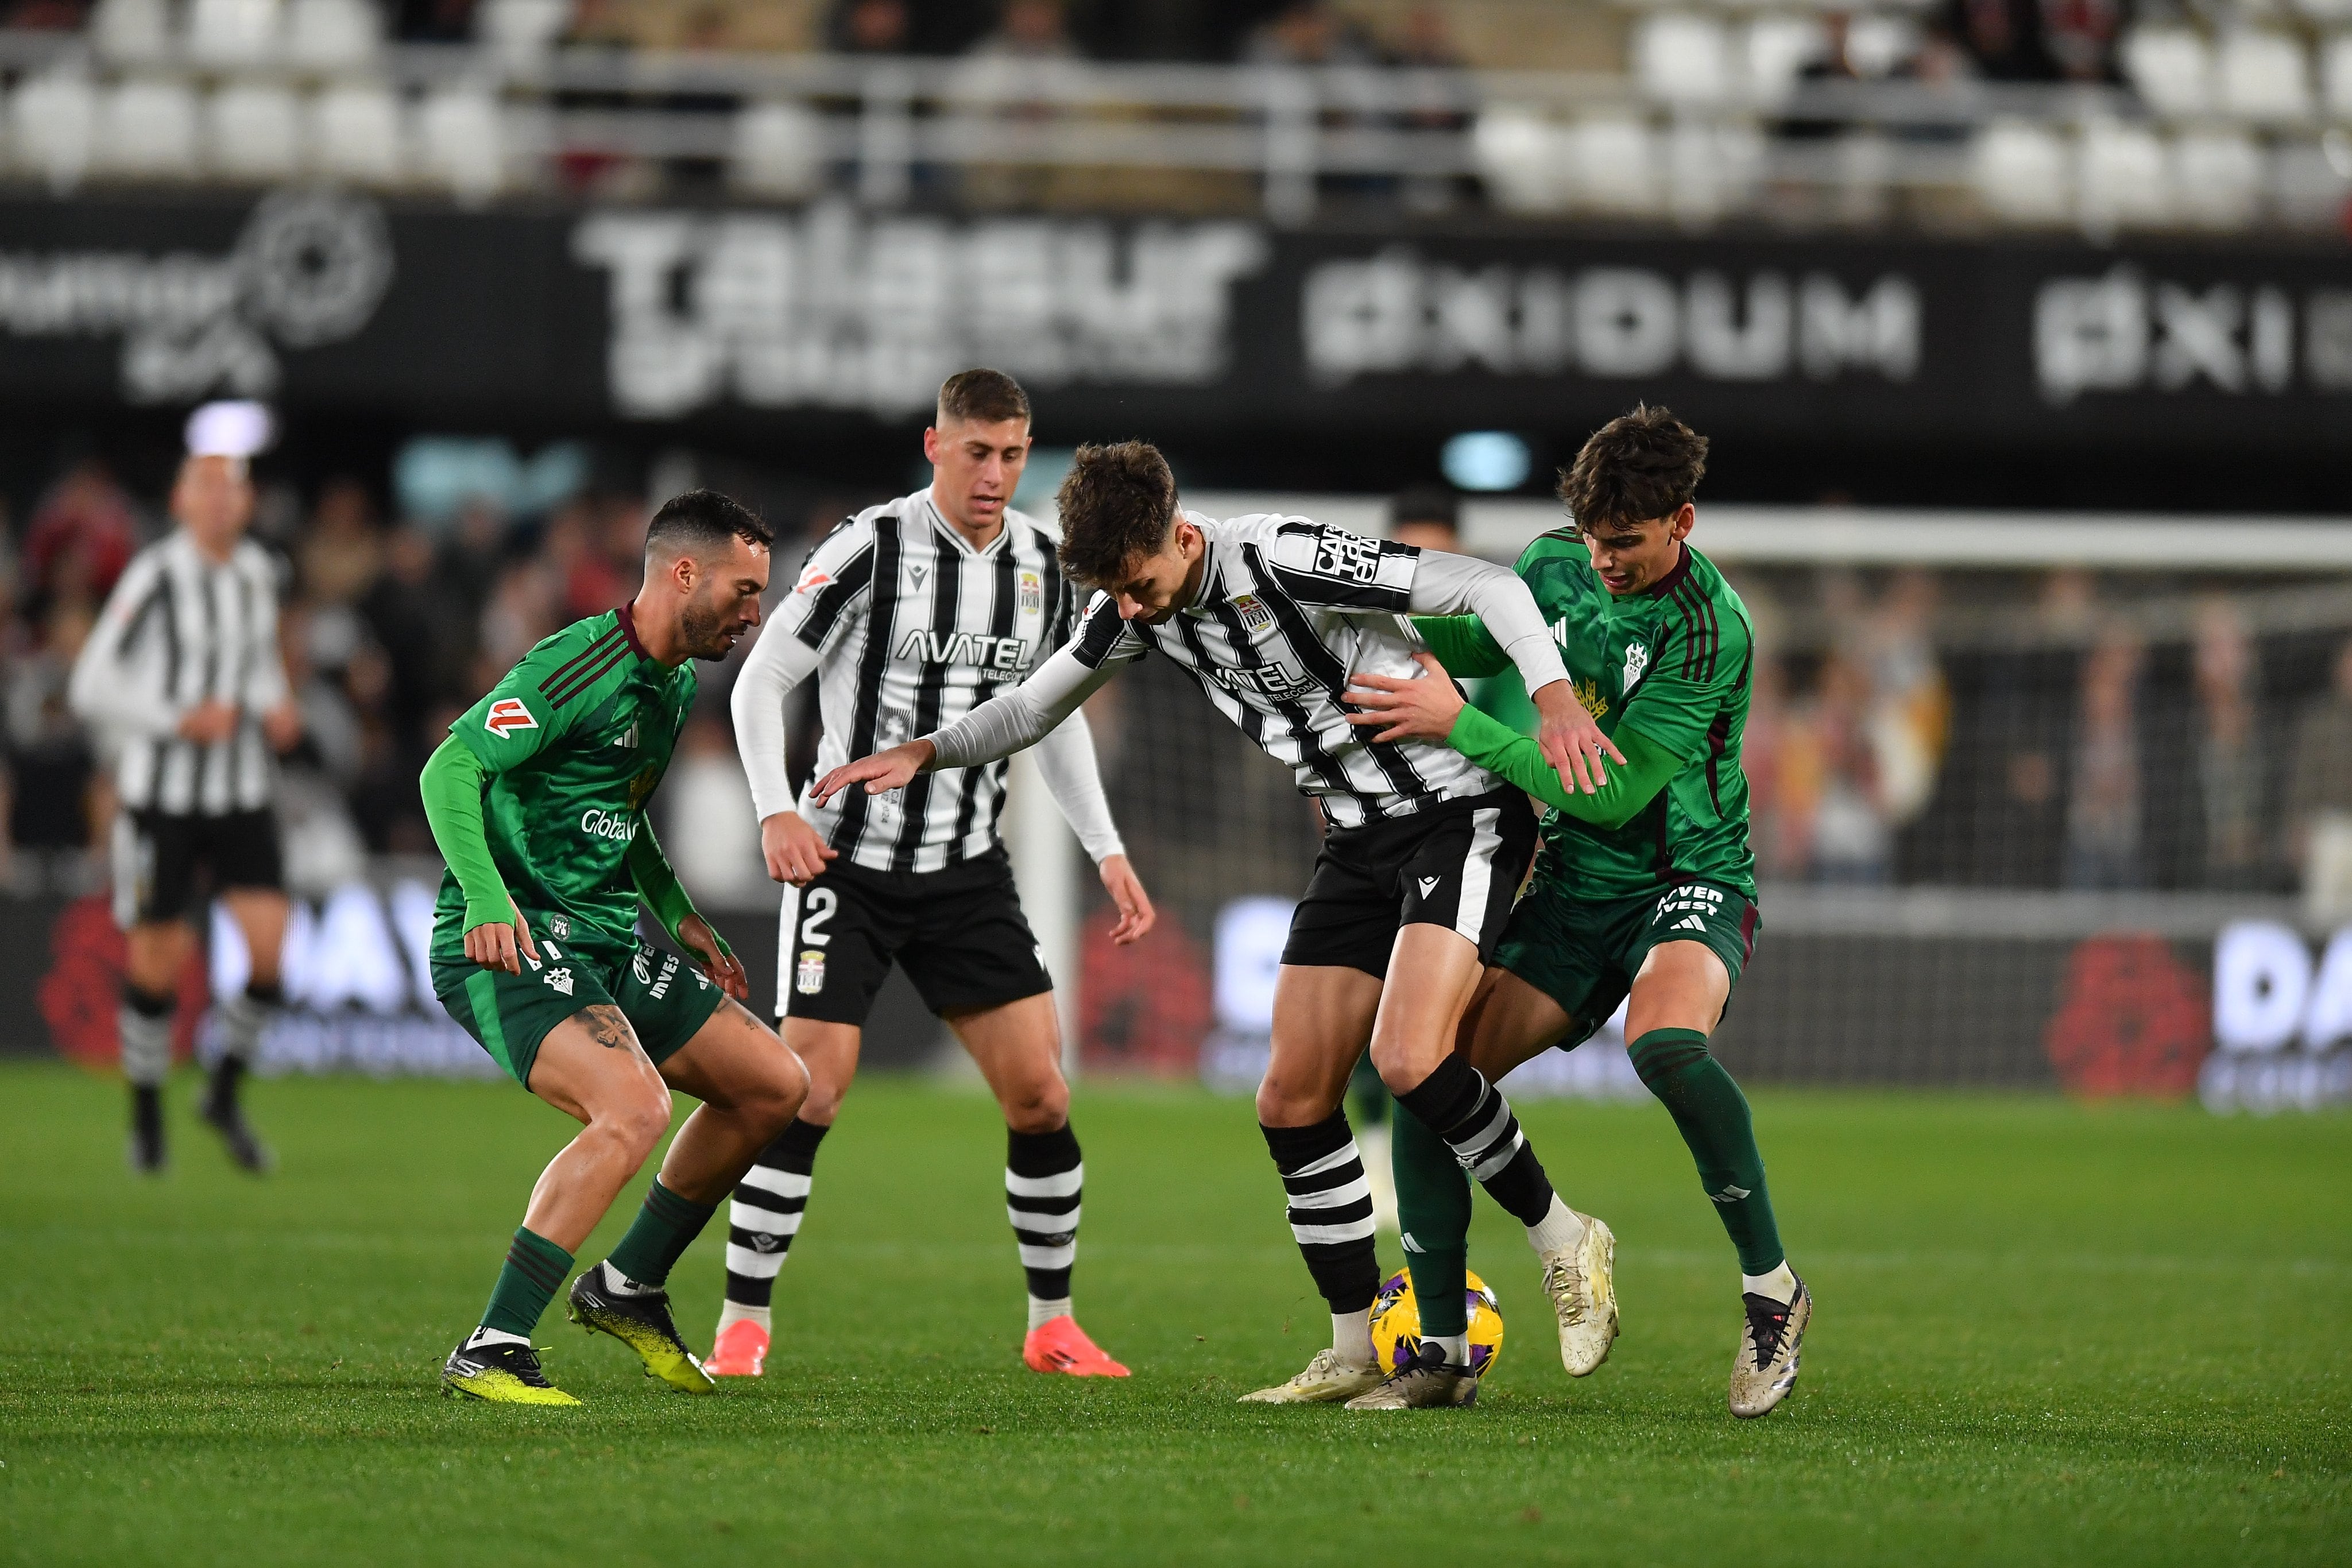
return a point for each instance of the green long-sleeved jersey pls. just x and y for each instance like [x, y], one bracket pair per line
[571, 744]
[1666, 673]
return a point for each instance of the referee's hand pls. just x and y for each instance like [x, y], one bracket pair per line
[500, 944]
[792, 849]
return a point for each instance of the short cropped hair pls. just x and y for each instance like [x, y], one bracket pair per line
[1117, 503]
[1640, 466]
[701, 522]
[984, 397]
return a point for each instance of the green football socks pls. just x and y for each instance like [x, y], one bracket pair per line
[1433, 1212]
[534, 1271]
[664, 1229]
[1712, 1113]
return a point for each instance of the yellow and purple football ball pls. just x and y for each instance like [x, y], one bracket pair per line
[1396, 1323]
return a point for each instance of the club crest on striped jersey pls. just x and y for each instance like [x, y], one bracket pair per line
[1637, 660]
[1033, 594]
[507, 716]
[1254, 612]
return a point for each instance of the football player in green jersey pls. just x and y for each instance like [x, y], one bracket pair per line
[538, 801]
[1646, 893]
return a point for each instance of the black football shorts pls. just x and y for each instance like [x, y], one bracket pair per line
[167, 865]
[958, 932]
[1457, 863]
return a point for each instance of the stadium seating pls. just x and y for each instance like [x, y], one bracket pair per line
[2124, 178]
[331, 36]
[2170, 69]
[2262, 76]
[53, 127]
[357, 133]
[132, 32]
[1680, 58]
[2201, 135]
[2021, 170]
[461, 142]
[253, 131]
[776, 150]
[523, 31]
[2217, 177]
[227, 34]
[147, 129]
[2335, 77]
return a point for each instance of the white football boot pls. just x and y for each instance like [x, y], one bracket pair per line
[1327, 1380]
[1582, 1284]
[1769, 1337]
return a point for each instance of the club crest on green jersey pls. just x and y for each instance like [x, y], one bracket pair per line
[1637, 660]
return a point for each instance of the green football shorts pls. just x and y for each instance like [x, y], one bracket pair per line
[665, 998]
[1584, 952]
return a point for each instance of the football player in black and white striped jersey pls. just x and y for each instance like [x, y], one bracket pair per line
[911, 614]
[1268, 614]
[183, 680]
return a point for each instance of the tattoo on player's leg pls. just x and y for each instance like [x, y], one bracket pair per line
[606, 1026]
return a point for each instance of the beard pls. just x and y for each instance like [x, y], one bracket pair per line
[704, 635]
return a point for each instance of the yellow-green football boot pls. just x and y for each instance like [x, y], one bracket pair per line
[641, 1321]
[503, 1373]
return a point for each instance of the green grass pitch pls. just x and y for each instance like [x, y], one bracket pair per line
[2045, 1334]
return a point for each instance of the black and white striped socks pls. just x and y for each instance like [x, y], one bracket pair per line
[1330, 1212]
[762, 1218]
[1044, 1178]
[1459, 1105]
[145, 1026]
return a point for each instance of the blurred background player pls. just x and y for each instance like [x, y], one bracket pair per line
[1647, 887]
[182, 678]
[538, 802]
[1415, 876]
[911, 614]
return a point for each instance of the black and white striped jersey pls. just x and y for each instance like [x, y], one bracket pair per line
[916, 629]
[1286, 609]
[180, 629]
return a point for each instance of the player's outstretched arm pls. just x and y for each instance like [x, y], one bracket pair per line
[1446, 584]
[496, 936]
[657, 883]
[998, 728]
[1463, 645]
[1432, 709]
[1066, 760]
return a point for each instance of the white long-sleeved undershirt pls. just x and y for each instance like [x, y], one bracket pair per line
[779, 662]
[1443, 584]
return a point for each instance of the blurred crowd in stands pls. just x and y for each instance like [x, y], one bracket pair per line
[2048, 730]
[1998, 40]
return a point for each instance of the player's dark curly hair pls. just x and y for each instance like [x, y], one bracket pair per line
[700, 522]
[1117, 503]
[1639, 465]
